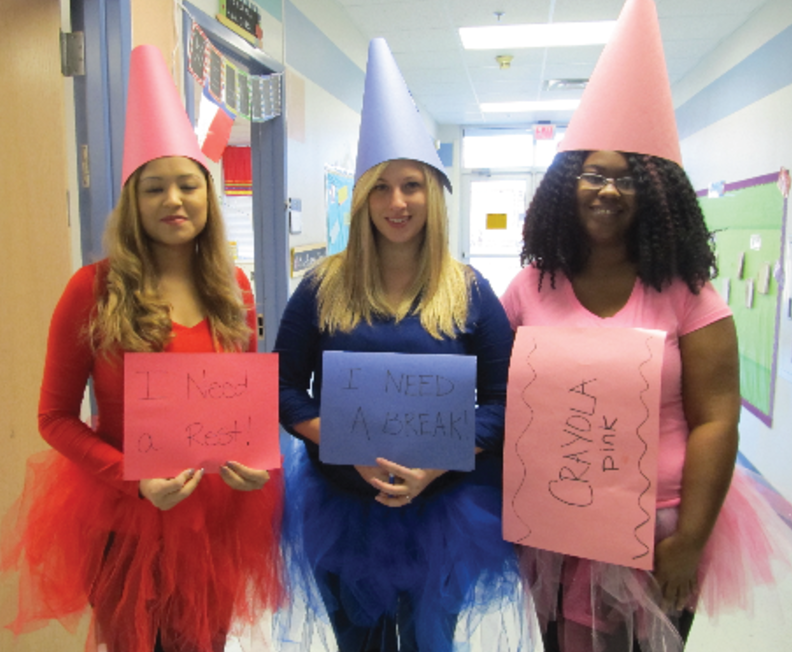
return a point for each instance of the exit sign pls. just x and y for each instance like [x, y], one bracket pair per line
[544, 132]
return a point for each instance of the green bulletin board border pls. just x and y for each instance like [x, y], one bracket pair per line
[760, 404]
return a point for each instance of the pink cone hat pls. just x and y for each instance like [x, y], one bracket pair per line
[156, 122]
[390, 125]
[627, 103]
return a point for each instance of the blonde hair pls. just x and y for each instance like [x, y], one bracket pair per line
[350, 286]
[130, 314]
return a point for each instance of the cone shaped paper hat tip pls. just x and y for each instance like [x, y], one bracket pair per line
[390, 125]
[156, 122]
[627, 104]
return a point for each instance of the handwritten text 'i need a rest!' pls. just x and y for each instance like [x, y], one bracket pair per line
[199, 410]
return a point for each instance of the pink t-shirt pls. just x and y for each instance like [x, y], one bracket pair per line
[675, 310]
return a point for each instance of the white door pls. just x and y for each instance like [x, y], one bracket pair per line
[495, 210]
[501, 169]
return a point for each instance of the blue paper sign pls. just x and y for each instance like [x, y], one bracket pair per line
[416, 410]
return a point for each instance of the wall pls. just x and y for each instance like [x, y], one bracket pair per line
[151, 25]
[451, 136]
[324, 91]
[738, 101]
[35, 223]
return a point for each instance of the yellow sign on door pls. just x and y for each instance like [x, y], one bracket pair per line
[496, 220]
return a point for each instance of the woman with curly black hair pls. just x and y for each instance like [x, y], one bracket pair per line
[611, 240]
[667, 239]
[615, 238]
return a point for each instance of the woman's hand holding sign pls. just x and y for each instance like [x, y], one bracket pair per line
[243, 478]
[407, 483]
[166, 493]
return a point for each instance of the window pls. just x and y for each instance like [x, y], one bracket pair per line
[507, 149]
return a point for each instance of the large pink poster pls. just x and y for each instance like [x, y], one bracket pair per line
[199, 410]
[580, 454]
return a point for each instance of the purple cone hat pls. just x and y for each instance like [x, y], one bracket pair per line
[390, 125]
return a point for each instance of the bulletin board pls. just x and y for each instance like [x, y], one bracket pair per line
[747, 220]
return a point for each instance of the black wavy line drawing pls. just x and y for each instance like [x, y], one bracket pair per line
[517, 443]
[643, 454]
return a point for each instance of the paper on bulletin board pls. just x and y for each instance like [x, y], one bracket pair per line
[199, 410]
[338, 205]
[580, 455]
[415, 410]
[785, 343]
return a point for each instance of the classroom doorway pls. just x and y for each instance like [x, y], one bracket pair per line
[502, 167]
[270, 265]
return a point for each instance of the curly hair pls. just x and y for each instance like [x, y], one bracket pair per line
[668, 238]
[350, 285]
[130, 313]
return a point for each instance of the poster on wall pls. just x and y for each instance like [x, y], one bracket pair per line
[338, 202]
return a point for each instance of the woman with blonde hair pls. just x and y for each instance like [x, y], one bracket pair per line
[402, 557]
[165, 564]
[353, 287]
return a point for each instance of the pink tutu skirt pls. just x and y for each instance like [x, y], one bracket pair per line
[601, 607]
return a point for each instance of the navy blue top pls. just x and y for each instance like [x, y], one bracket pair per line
[300, 345]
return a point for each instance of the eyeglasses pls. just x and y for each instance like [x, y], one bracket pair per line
[625, 185]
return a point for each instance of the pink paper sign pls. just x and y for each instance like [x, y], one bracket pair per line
[199, 410]
[580, 456]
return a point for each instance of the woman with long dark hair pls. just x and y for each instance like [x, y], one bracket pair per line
[164, 564]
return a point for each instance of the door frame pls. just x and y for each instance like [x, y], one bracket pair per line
[268, 152]
[99, 108]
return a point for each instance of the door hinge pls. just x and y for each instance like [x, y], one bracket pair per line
[72, 46]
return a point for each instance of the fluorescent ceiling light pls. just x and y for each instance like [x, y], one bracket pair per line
[523, 107]
[543, 35]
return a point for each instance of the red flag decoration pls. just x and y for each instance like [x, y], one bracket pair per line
[214, 127]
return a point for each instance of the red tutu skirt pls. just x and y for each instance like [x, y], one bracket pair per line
[595, 603]
[184, 575]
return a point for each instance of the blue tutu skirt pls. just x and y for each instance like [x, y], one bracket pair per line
[443, 554]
